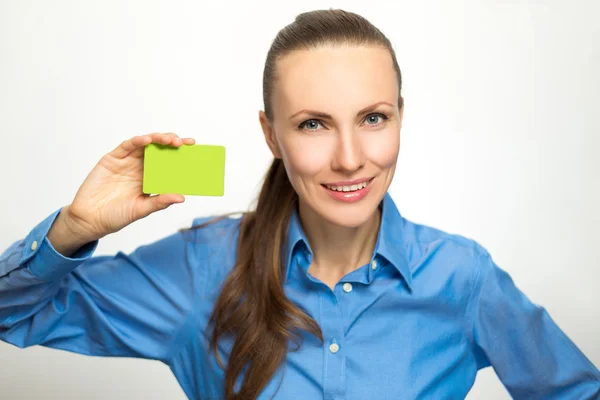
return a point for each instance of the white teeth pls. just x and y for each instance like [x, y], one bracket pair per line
[351, 188]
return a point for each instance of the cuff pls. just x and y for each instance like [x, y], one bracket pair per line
[43, 260]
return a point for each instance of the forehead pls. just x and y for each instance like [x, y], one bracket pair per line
[326, 77]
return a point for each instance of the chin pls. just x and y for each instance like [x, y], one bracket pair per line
[350, 221]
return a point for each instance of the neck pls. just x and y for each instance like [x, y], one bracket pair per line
[338, 250]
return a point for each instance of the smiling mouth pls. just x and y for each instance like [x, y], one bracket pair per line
[348, 188]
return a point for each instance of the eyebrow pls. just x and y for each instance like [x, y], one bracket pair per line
[327, 116]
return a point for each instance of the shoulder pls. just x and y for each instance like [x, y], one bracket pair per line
[213, 228]
[213, 233]
[450, 255]
[211, 243]
[424, 239]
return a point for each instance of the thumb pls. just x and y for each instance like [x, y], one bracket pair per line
[159, 202]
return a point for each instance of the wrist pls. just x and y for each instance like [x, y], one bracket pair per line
[76, 227]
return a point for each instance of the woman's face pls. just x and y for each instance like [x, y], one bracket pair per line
[336, 126]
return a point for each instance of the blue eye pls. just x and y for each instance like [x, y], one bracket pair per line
[382, 116]
[314, 123]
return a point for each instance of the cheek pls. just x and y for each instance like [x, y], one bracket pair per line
[306, 156]
[382, 148]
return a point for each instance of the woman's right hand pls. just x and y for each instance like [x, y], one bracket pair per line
[111, 196]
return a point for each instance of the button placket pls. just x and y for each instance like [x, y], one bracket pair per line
[333, 333]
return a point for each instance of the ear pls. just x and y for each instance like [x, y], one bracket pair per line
[401, 113]
[269, 133]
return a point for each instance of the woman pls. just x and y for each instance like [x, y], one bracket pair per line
[324, 291]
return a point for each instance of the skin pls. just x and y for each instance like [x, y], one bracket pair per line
[339, 81]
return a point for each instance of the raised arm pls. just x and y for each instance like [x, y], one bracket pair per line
[128, 305]
[53, 292]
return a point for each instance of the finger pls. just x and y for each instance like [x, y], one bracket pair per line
[176, 141]
[162, 201]
[159, 202]
[189, 141]
[162, 138]
[129, 145]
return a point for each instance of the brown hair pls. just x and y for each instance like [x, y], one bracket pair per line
[252, 306]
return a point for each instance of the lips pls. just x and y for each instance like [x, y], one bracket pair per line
[349, 186]
[350, 191]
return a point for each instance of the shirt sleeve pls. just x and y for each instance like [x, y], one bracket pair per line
[121, 305]
[531, 355]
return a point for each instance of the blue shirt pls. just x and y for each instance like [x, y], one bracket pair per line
[418, 321]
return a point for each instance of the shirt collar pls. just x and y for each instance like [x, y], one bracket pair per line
[390, 241]
[295, 238]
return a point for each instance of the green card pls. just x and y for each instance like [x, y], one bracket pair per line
[189, 169]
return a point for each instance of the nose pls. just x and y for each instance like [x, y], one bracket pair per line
[349, 156]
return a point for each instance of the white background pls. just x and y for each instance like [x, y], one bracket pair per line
[500, 142]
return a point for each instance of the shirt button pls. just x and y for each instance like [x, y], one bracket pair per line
[34, 245]
[347, 287]
[333, 347]
[373, 265]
